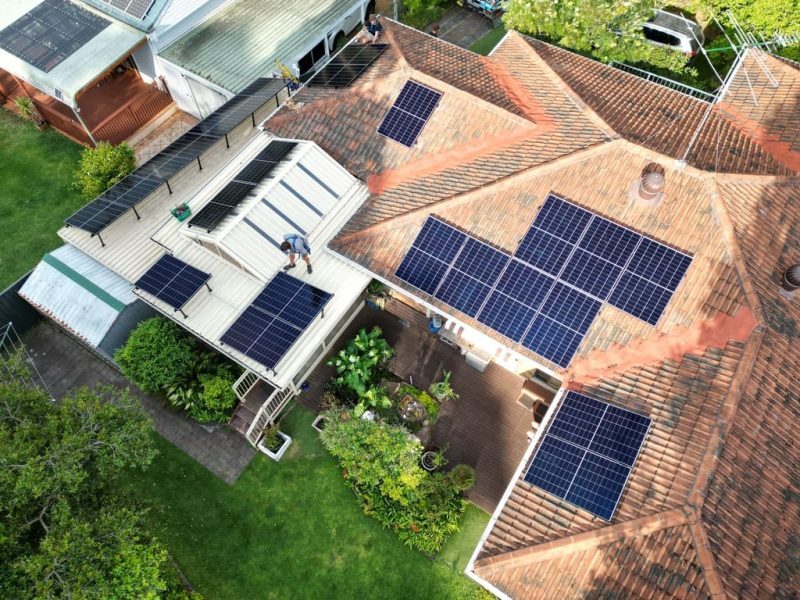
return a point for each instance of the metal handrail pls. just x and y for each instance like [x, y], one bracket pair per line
[677, 86]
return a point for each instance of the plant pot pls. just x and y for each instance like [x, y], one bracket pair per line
[181, 216]
[429, 461]
[319, 423]
[276, 455]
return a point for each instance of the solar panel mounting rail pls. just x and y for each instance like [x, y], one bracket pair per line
[114, 202]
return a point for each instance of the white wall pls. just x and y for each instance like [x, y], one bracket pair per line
[192, 96]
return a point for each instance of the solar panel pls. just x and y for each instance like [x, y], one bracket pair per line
[344, 68]
[481, 261]
[137, 9]
[111, 204]
[172, 281]
[609, 241]
[243, 184]
[543, 250]
[422, 270]
[462, 292]
[412, 109]
[275, 319]
[587, 453]
[50, 33]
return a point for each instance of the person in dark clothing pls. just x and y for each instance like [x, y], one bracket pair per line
[294, 244]
[435, 30]
[372, 31]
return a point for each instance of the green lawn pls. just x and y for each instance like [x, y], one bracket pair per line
[35, 196]
[290, 530]
[487, 43]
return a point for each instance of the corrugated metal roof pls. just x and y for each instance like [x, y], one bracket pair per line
[78, 292]
[243, 40]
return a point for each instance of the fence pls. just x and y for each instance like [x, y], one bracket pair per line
[666, 82]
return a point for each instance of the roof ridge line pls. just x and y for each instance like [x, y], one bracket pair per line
[643, 526]
[705, 557]
[565, 88]
[559, 163]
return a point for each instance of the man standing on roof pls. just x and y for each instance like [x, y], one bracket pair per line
[372, 31]
[293, 244]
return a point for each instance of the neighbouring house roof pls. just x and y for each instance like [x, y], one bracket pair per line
[96, 55]
[711, 507]
[243, 40]
[112, 9]
[78, 293]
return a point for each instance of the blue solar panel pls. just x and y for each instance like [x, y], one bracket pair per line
[172, 281]
[482, 262]
[506, 316]
[421, 270]
[552, 340]
[412, 109]
[544, 250]
[610, 241]
[275, 319]
[591, 274]
[659, 264]
[640, 298]
[570, 307]
[587, 453]
[525, 284]
[562, 219]
[440, 240]
[598, 485]
[462, 292]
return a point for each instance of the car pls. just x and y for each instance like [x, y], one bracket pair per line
[674, 31]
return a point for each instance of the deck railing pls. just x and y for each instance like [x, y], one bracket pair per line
[666, 82]
[268, 411]
[125, 122]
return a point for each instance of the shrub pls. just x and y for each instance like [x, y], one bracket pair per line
[156, 354]
[419, 13]
[381, 464]
[216, 401]
[431, 405]
[360, 365]
[102, 167]
[462, 477]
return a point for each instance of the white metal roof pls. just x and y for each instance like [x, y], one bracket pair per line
[95, 57]
[78, 292]
[132, 246]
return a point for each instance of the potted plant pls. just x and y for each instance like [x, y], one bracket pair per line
[27, 110]
[432, 460]
[442, 391]
[274, 442]
[181, 212]
[462, 477]
[376, 295]
[319, 422]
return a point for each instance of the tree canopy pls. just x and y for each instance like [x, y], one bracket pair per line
[605, 29]
[63, 530]
[102, 167]
[761, 17]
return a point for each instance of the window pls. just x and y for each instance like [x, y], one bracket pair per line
[660, 37]
[307, 63]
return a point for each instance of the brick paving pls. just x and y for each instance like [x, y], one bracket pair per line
[65, 364]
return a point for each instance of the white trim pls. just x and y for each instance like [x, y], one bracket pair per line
[469, 570]
[201, 80]
[498, 44]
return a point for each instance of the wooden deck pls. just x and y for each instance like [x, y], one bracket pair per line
[485, 428]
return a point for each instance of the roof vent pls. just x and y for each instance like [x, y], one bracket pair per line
[791, 278]
[648, 190]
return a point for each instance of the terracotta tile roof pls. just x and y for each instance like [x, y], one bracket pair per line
[711, 509]
[665, 120]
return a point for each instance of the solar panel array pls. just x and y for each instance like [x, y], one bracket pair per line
[412, 109]
[138, 9]
[114, 202]
[47, 35]
[344, 68]
[588, 452]
[172, 281]
[547, 295]
[275, 319]
[242, 185]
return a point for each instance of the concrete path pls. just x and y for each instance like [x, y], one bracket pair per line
[65, 365]
[462, 27]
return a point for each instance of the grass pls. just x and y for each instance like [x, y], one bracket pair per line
[487, 43]
[36, 171]
[290, 530]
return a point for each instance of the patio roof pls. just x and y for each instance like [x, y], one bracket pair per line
[70, 77]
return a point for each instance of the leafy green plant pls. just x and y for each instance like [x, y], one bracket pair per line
[217, 399]
[376, 287]
[419, 13]
[102, 167]
[27, 109]
[373, 398]
[156, 355]
[442, 390]
[270, 438]
[433, 460]
[360, 364]
[462, 477]
[430, 405]
[13, 367]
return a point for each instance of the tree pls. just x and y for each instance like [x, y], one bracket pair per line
[605, 29]
[63, 531]
[761, 17]
[102, 167]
